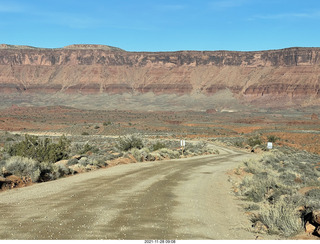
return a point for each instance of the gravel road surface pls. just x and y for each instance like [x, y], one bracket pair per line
[177, 199]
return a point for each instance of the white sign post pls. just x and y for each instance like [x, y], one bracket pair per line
[269, 145]
[183, 144]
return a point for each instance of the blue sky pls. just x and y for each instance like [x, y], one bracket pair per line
[162, 25]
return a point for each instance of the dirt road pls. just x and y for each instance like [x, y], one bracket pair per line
[177, 199]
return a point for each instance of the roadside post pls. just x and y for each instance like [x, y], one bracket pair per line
[269, 145]
[183, 144]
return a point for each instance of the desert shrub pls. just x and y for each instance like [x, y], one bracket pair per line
[142, 154]
[238, 144]
[2, 164]
[21, 166]
[272, 138]
[252, 166]
[129, 142]
[46, 169]
[112, 156]
[254, 190]
[50, 171]
[84, 161]
[313, 193]
[281, 218]
[287, 177]
[195, 148]
[276, 178]
[107, 123]
[252, 207]
[188, 152]
[91, 161]
[99, 163]
[84, 133]
[72, 161]
[41, 150]
[263, 186]
[8, 139]
[167, 153]
[136, 154]
[158, 145]
[253, 141]
[271, 159]
[88, 148]
[312, 199]
[60, 170]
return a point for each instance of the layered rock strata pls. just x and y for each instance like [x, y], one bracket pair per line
[291, 75]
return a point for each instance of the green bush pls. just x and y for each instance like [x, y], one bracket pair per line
[41, 150]
[129, 142]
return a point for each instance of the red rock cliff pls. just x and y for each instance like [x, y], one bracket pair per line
[287, 73]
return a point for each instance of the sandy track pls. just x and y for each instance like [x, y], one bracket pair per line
[177, 199]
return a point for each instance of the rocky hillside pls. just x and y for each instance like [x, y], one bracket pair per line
[285, 77]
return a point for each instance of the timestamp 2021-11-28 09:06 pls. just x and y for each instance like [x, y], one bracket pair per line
[159, 241]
